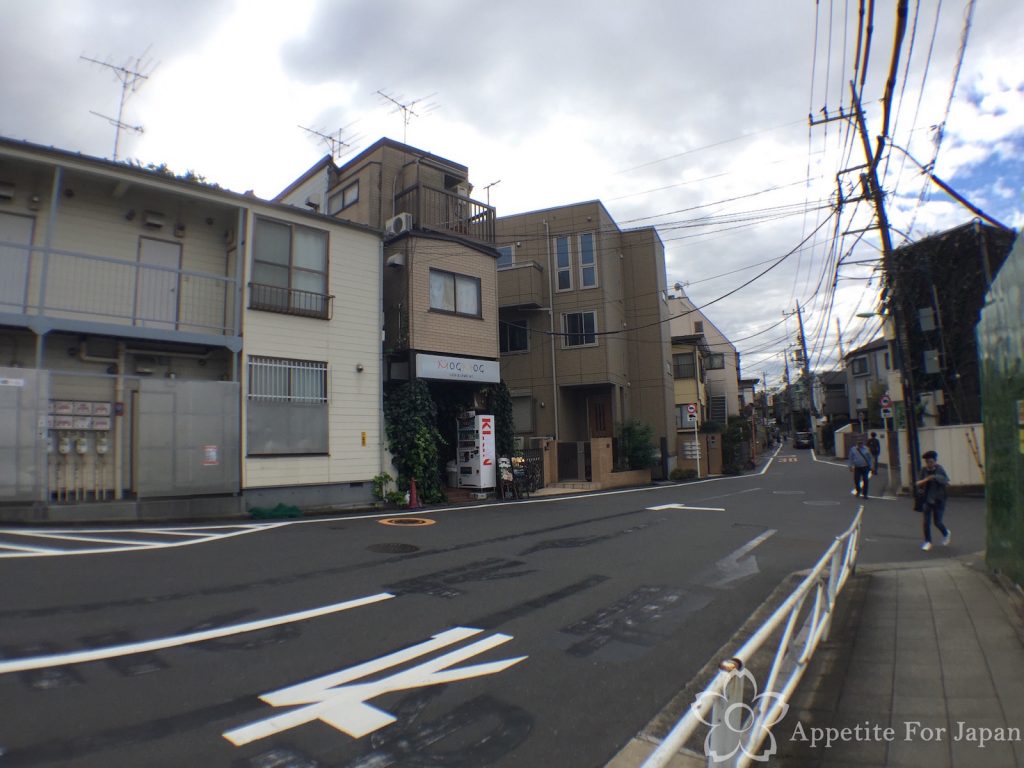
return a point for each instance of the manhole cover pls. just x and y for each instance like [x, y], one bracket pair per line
[394, 549]
[405, 521]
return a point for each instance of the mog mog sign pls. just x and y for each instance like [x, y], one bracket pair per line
[456, 368]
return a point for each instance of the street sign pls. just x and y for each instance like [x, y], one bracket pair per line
[886, 413]
[691, 408]
[884, 401]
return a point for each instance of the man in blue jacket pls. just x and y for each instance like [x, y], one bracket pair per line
[860, 463]
[932, 485]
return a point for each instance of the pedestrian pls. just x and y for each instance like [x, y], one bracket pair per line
[932, 487]
[859, 462]
[876, 450]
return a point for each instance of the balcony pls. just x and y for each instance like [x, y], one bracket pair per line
[444, 211]
[72, 288]
[290, 301]
[521, 285]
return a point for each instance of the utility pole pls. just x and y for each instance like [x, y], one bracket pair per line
[789, 393]
[812, 410]
[872, 188]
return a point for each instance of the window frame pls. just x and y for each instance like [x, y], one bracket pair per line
[567, 334]
[505, 336]
[593, 263]
[297, 410]
[859, 363]
[677, 366]
[712, 361]
[263, 300]
[559, 269]
[501, 256]
[456, 277]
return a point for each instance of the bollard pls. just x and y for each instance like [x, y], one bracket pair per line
[414, 501]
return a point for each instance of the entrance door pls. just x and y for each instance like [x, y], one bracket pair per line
[156, 298]
[17, 232]
[599, 415]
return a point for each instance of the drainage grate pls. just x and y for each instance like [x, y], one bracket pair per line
[394, 549]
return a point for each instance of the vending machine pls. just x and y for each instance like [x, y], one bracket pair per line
[476, 460]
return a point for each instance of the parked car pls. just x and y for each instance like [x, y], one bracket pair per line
[803, 440]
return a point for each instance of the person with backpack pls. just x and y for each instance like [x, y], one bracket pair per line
[876, 450]
[860, 464]
[932, 490]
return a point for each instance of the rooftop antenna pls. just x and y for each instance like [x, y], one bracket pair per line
[130, 82]
[407, 111]
[487, 189]
[338, 143]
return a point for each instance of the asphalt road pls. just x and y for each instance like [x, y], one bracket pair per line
[536, 633]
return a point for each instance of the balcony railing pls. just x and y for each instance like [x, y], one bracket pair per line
[290, 301]
[447, 212]
[84, 287]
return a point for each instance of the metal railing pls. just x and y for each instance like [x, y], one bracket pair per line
[290, 301]
[736, 744]
[443, 210]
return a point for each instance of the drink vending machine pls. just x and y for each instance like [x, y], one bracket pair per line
[476, 460]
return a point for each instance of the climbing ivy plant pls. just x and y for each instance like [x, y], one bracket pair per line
[499, 402]
[410, 421]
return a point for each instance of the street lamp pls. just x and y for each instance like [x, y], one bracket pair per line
[907, 384]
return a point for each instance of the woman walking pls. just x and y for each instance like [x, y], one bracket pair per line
[932, 486]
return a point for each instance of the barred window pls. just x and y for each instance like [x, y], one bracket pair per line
[281, 380]
[287, 408]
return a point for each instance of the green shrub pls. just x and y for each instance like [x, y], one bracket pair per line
[637, 445]
[679, 475]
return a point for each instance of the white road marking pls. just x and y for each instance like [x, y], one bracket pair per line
[196, 535]
[341, 703]
[93, 539]
[733, 567]
[115, 651]
[685, 506]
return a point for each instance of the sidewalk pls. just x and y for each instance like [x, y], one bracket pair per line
[934, 652]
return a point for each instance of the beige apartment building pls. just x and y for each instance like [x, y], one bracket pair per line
[172, 350]
[706, 356]
[583, 331]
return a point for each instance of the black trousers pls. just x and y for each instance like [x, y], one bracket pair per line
[861, 478]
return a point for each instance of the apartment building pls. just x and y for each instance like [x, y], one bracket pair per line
[719, 364]
[439, 299]
[868, 369]
[583, 334]
[171, 349]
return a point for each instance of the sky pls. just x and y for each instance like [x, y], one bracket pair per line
[688, 116]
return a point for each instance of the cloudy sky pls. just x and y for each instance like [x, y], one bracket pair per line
[688, 116]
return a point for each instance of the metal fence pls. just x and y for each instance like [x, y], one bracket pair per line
[724, 695]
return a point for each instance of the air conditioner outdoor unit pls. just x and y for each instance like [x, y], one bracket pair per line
[398, 225]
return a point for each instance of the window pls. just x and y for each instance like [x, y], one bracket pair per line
[698, 326]
[718, 409]
[683, 417]
[579, 329]
[684, 365]
[287, 407]
[289, 269]
[887, 362]
[522, 413]
[513, 336]
[859, 366]
[453, 293]
[588, 261]
[563, 263]
[715, 361]
[506, 256]
[347, 196]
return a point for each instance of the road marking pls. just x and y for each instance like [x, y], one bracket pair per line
[733, 568]
[93, 539]
[195, 534]
[341, 703]
[406, 521]
[114, 651]
[684, 506]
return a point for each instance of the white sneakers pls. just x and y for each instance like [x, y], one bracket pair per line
[926, 546]
[945, 539]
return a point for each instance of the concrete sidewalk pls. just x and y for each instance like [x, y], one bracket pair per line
[931, 654]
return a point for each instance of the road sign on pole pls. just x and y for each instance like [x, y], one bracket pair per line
[884, 401]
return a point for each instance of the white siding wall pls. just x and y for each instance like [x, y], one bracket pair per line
[351, 338]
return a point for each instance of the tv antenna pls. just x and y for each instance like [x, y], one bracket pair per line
[406, 108]
[339, 145]
[130, 80]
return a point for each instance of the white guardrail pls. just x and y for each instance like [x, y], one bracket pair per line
[738, 729]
